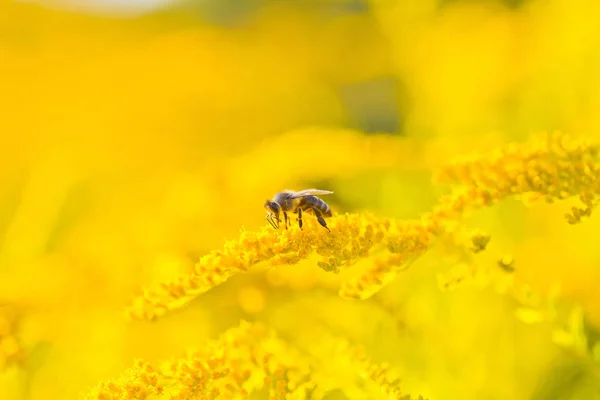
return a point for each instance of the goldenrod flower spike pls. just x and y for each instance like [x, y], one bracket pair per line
[243, 360]
[139, 382]
[381, 375]
[551, 167]
[405, 242]
[353, 237]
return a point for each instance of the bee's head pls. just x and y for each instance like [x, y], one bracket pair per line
[273, 210]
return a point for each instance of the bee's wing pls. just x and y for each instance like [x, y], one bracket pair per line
[310, 192]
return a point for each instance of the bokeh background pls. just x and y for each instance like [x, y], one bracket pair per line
[137, 136]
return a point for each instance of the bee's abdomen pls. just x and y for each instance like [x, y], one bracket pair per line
[316, 203]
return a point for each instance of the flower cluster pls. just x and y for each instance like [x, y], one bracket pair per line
[380, 374]
[551, 167]
[139, 382]
[242, 360]
[245, 359]
[353, 236]
[405, 242]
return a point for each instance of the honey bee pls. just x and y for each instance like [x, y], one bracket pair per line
[289, 201]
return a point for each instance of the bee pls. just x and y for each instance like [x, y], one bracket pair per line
[290, 201]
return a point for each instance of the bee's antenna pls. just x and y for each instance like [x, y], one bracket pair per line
[270, 220]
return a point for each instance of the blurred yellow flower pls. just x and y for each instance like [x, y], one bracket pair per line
[246, 359]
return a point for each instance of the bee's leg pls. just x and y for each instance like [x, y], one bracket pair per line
[321, 219]
[300, 217]
[286, 219]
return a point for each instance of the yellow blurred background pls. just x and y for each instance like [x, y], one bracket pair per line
[131, 144]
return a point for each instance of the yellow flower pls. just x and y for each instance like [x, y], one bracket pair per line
[243, 360]
[352, 237]
[550, 166]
